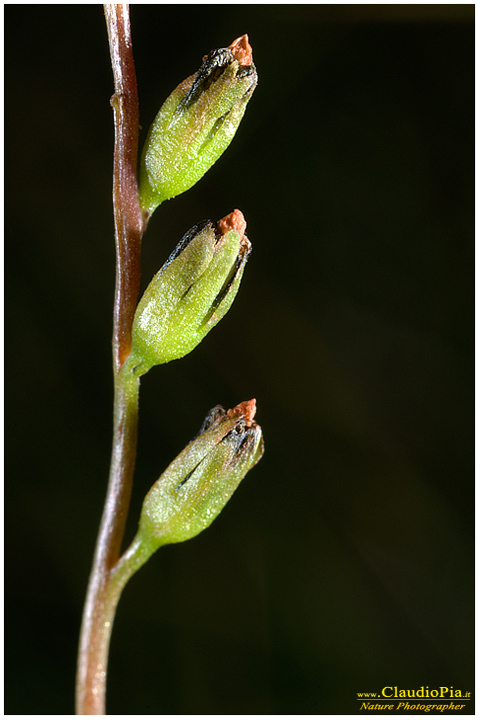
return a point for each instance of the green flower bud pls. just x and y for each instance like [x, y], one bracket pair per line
[194, 489]
[196, 124]
[191, 293]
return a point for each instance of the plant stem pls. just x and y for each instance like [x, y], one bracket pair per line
[130, 222]
[100, 604]
[105, 585]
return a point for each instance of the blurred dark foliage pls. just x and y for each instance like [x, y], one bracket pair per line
[344, 562]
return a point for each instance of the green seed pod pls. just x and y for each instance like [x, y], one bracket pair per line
[195, 488]
[191, 293]
[196, 124]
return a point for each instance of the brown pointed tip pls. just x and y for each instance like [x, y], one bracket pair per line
[233, 221]
[242, 50]
[247, 409]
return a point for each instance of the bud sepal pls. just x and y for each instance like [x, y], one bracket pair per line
[191, 293]
[196, 486]
[196, 124]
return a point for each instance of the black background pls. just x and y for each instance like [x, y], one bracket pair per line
[344, 562]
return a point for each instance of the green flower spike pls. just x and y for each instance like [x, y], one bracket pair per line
[196, 123]
[191, 293]
[197, 485]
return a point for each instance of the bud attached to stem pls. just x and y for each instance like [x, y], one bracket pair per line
[191, 293]
[196, 486]
[196, 123]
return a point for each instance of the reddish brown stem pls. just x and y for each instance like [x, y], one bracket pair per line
[129, 220]
[102, 596]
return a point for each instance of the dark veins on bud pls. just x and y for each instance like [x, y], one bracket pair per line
[186, 240]
[211, 69]
[240, 260]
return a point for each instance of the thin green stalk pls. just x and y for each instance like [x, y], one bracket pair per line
[102, 595]
[103, 590]
[103, 614]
